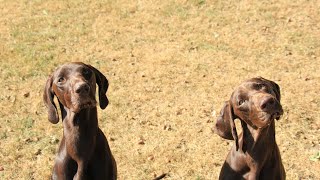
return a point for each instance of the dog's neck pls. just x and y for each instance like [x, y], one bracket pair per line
[257, 137]
[80, 133]
[84, 119]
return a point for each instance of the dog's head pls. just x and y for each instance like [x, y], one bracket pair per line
[74, 84]
[255, 101]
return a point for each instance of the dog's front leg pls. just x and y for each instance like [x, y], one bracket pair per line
[81, 174]
[254, 172]
[251, 176]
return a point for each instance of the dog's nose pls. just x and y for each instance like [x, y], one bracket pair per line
[267, 103]
[82, 88]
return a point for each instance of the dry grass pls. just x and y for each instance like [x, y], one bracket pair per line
[170, 65]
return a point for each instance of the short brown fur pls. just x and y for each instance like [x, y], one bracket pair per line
[84, 152]
[256, 102]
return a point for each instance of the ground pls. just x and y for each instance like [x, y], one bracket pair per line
[170, 65]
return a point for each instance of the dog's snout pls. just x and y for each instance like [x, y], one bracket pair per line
[267, 103]
[82, 88]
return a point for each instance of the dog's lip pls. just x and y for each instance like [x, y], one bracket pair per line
[88, 104]
[277, 115]
[273, 116]
[266, 124]
[83, 105]
[267, 120]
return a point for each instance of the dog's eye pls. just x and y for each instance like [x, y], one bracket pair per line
[267, 90]
[61, 80]
[241, 101]
[86, 73]
[257, 86]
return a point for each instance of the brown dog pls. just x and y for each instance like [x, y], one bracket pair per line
[84, 152]
[256, 102]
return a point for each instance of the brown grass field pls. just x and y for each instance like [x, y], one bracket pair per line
[170, 65]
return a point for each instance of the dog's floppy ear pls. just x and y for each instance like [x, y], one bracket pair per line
[103, 87]
[276, 89]
[48, 96]
[225, 126]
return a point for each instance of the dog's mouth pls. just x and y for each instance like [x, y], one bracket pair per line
[276, 115]
[267, 118]
[78, 106]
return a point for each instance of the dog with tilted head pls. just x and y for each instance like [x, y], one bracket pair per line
[255, 155]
